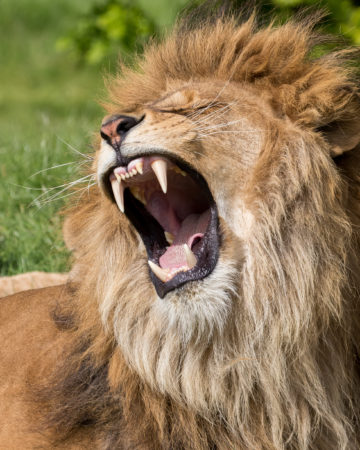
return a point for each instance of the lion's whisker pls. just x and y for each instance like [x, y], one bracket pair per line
[62, 187]
[218, 113]
[71, 183]
[26, 187]
[218, 94]
[227, 131]
[201, 111]
[59, 165]
[201, 136]
[88, 157]
[220, 125]
[57, 196]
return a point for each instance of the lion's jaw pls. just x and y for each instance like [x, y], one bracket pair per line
[203, 198]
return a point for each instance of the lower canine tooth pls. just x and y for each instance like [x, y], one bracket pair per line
[118, 190]
[162, 274]
[138, 193]
[178, 170]
[160, 168]
[169, 237]
[190, 257]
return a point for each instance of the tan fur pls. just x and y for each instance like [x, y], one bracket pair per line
[261, 354]
[29, 280]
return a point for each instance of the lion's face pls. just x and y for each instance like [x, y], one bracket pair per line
[177, 169]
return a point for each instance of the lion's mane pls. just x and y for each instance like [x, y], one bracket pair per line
[271, 362]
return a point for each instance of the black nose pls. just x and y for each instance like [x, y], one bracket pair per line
[115, 128]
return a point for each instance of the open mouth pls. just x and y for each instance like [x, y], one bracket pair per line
[172, 209]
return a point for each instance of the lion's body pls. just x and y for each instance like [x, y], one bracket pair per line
[262, 353]
[30, 280]
[31, 344]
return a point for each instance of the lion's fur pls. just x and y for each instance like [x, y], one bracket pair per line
[30, 280]
[262, 353]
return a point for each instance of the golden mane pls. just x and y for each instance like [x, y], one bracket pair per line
[269, 361]
[280, 59]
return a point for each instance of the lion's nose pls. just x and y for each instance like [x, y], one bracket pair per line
[114, 128]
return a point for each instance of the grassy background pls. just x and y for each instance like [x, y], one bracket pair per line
[45, 101]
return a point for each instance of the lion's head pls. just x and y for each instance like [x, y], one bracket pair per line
[220, 245]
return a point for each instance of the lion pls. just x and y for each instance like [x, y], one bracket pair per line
[213, 302]
[30, 280]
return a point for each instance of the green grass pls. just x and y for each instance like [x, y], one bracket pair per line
[46, 101]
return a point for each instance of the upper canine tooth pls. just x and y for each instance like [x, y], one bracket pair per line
[118, 190]
[160, 169]
[162, 274]
[190, 257]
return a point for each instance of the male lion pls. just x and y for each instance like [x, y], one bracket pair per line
[214, 295]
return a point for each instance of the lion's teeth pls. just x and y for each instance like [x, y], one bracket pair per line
[160, 169]
[127, 175]
[190, 257]
[178, 170]
[118, 190]
[138, 193]
[139, 167]
[169, 237]
[162, 274]
[118, 177]
[123, 177]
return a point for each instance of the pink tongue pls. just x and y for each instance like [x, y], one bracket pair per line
[193, 227]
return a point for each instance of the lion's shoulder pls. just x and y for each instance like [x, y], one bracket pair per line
[29, 310]
[32, 343]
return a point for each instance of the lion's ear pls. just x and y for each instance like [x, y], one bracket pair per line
[342, 132]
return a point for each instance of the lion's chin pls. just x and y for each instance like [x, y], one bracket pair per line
[171, 207]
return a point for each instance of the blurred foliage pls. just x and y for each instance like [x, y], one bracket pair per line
[123, 26]
[343, 16]
[111, 27]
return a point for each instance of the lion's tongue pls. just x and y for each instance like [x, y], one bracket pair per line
[189, 231]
